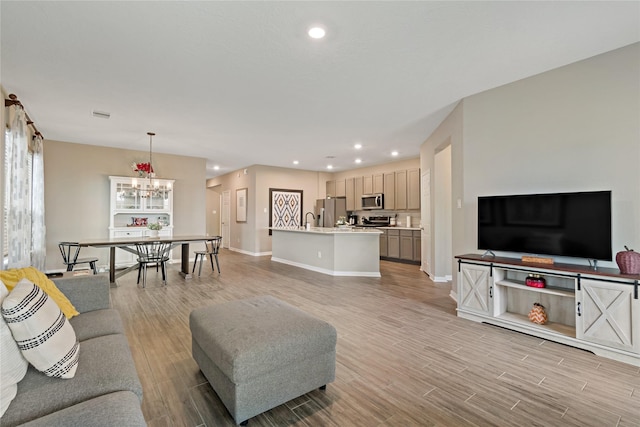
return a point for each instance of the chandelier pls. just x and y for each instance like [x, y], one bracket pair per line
[150, 187]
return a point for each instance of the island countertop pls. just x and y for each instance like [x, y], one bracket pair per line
[334, 251]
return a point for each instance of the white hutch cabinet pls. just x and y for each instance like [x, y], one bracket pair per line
[596, 310]
[135, 202]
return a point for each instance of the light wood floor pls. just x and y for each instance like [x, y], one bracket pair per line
[403, 357]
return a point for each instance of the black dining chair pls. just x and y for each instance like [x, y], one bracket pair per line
[212, 248]
[70, 252]
[152, 253]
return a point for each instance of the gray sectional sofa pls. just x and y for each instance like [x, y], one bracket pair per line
[105, 391]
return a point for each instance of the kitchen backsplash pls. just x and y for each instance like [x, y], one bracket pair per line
[401, 217]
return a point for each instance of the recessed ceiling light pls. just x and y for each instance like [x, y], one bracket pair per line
[329, 166]
[295, 162]
[357, 146]
[316, 33]
[216, 167]
[358, 160]
[394, 153]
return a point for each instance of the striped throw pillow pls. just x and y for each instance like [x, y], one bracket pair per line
[13, 365]
[43, 333]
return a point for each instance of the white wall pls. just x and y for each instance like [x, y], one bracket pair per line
[77, 193]
[576, 128]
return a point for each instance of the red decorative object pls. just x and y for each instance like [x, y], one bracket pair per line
[628, 261]
[145, 168]
[535, 281]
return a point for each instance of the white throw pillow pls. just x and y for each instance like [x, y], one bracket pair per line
[13, 366]
[43, 333]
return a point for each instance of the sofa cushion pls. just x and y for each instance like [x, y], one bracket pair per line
[97, 323]
[13, 276]
[43, 333]
[13, 366]
[121, 408]
[105, 366]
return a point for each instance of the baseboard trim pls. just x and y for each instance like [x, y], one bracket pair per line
[326, 271]
[242, 251]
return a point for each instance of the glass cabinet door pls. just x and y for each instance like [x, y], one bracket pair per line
[127, 197]
[158, 198]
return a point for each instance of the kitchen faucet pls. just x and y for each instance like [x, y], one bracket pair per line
[306, 222]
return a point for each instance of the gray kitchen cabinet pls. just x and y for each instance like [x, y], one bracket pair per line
[350, 194]
[357, 190]
[389, 191]
[400, 187]
[393, 243]
[384, 237]
[341, 189]
[378, 183]
[417, 245]
[406, 245]
[413, 188]
[367, 184]
[331, 188]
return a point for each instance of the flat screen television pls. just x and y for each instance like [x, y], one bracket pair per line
[562, 224]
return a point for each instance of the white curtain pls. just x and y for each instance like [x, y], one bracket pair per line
[19, 193]
[38, 230]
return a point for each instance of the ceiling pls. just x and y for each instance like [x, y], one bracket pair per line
[241, 83]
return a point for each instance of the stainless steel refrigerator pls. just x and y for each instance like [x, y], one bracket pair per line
[328, 211]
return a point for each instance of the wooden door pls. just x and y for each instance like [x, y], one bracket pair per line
[475, 290]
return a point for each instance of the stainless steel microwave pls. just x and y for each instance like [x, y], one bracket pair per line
[373, 201]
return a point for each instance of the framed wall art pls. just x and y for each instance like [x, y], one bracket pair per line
[241, 205]
[285, 208]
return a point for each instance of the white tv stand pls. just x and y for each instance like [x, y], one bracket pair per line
[592, 309]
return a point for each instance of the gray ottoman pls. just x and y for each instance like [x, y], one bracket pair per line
[261, 352]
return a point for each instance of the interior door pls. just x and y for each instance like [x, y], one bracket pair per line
[226, 214]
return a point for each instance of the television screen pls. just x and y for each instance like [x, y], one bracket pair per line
[563, 224]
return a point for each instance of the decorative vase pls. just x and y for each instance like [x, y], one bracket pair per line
[628, 261]
[153, 233]
[538, 315]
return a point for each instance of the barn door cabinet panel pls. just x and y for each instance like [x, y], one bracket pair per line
[608, 314]
[475, 290]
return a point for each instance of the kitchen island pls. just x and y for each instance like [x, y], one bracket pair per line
[333, 251]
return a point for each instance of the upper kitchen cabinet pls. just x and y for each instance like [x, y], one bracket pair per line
[413, 188]
[358, 192]
[367, 184]
[331, 188]
[378, 183]
[350, 194]
[389, 190]
[400, 189]
[341, 189]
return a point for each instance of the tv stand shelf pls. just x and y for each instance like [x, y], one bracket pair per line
[548, 290]
[593, 309]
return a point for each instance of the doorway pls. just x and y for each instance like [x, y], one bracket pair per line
[442, 216]
[224, 218]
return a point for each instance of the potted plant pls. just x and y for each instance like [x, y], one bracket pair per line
[154, 228]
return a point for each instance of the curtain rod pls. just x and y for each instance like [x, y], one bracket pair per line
[13, 100]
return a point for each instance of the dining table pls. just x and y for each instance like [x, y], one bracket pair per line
[129, 244]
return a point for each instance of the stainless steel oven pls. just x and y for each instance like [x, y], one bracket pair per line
[373, 201]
